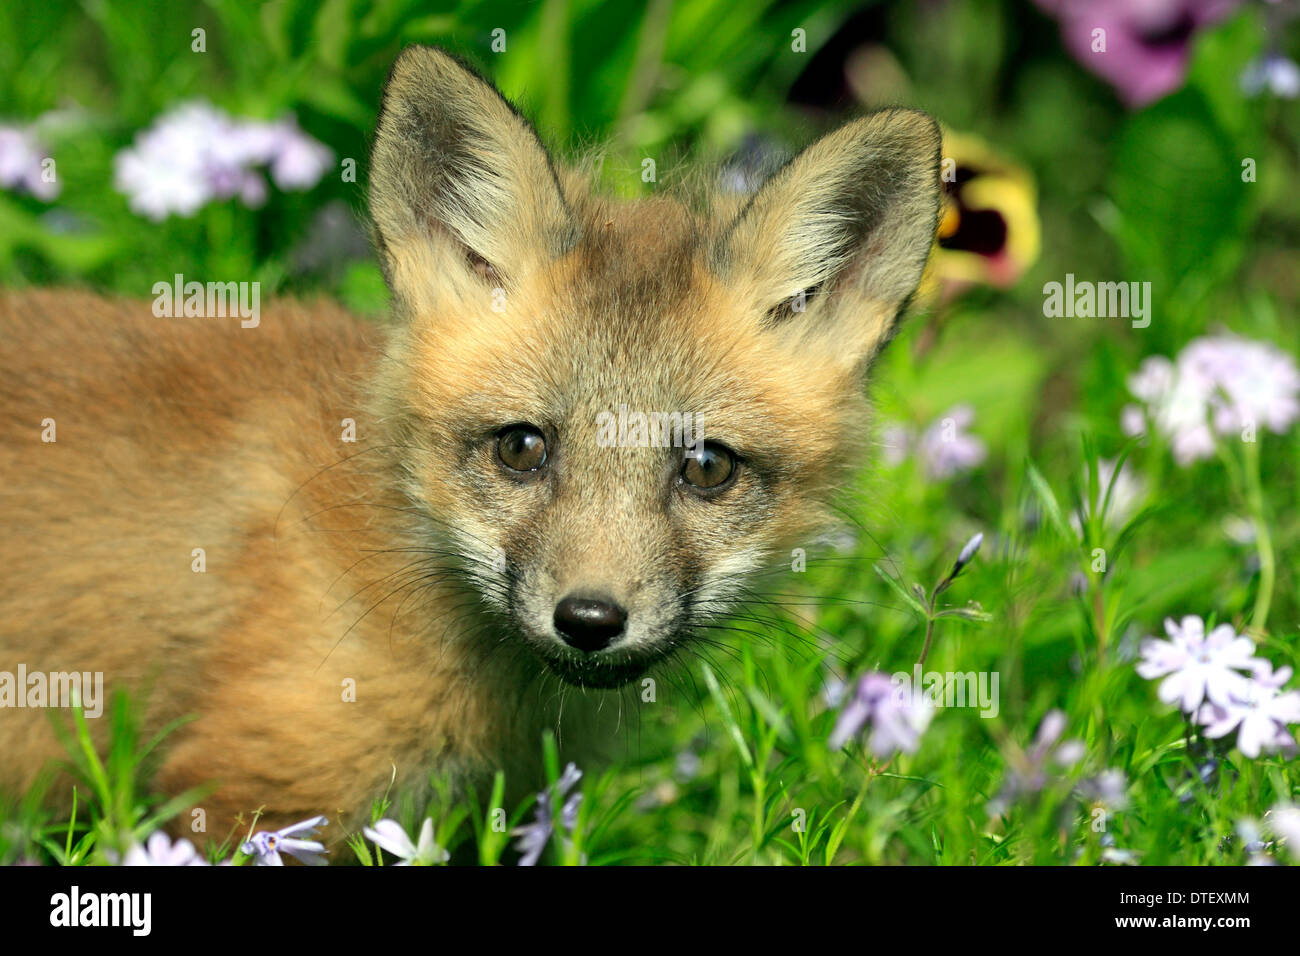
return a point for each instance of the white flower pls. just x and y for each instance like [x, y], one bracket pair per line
[21, 164]
[1120, 857]
[300, 161]
[1125, 495]
[160, 851]
[1197, 667]
[1239, 530]
[1285, 822]
[1272, 72]
[389, 835]
[895, 443]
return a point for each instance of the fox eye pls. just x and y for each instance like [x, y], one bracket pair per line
[482, 268]
[521, 448]
[794, 305]
[709, 469]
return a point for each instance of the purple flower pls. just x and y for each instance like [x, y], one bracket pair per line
[534, 836]
[1029, 772]
[1108, 789]
[160, 851]
[389, 835]
[1147, 43]
[687, 765]
[944, 449]
[1197, 667]
[267, 847]
[1218, 384]
[196, 153]
[21, 164]
[896, 719]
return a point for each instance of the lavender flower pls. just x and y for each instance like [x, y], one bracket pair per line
[389, 835]
[1218, 384]
[196, 153]
[1147, 44]
[1259, 714]
[534, 836]
[944, 449]
[267, 847]
[896, 719]
[160, 851]
[1197, 667]
[1216, 679]
[21, 159]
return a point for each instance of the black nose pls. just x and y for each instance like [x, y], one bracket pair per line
[589, 624]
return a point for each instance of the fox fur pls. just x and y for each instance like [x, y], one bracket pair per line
[410, 564]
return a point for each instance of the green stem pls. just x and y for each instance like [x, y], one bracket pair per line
[929, 635]
[1263, 539]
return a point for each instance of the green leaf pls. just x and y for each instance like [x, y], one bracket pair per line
[1176, 182]
[1047, 497]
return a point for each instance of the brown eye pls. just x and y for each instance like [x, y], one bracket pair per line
[710, 468]
[484, 269]
[521, 448]
[796, 304]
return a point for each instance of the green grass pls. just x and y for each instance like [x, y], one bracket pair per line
[754, 716]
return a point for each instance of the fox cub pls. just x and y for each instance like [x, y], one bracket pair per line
[351, 552]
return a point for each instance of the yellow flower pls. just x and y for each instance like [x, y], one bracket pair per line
[988, 228]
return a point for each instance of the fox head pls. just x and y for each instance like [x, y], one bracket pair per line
[544, 331]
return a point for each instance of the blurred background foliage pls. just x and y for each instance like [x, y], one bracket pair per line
[667, 80]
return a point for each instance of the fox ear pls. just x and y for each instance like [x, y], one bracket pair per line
[831, 248]
[457, 174]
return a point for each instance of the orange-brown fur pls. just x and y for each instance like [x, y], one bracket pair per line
[327, 561]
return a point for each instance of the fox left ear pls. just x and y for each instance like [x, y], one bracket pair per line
[830, 249]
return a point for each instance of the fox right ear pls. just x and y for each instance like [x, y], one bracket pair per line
[849, 222]
[458, 176]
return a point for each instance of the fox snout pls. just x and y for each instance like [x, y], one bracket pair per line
[597, 607]
[589, 624]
